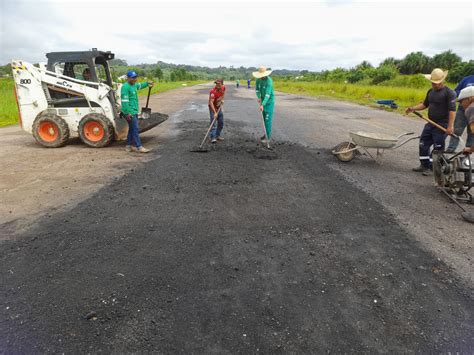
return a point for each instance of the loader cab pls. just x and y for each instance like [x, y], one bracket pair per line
[73, 65]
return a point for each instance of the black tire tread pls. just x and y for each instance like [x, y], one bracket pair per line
[63, 130]
[108, 127]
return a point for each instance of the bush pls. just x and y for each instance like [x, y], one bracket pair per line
[384, 73]
[460, 71]
[355, 76]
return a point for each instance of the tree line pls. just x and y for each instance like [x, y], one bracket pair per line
[388, 69]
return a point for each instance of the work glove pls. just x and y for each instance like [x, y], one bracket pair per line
[150, 84]
[128, 117]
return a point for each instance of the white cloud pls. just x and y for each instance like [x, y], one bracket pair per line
[311, 35]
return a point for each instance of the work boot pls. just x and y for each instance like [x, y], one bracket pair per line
[143, 150]
[213, 140]
[419, 169]
[220, 138]
[128, 148]
[427, 172]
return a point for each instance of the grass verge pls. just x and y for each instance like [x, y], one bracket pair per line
[361, 94]
[9, 109]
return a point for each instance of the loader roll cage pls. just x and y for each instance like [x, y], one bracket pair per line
[93, 60]
[90, 59]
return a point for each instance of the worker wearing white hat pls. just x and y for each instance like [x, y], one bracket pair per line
[266, 99]
[460, 122]
[466, 100]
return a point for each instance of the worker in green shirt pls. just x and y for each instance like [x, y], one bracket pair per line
[266, 99]
[129, 97]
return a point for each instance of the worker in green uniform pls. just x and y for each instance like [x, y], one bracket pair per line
[266, 99]
[129, 96]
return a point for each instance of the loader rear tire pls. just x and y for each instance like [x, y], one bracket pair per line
[96, 130]
[50, 130]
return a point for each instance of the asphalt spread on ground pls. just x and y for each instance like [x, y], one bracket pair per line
[235, 250]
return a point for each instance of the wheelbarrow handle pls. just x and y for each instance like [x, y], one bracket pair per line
[405, 134]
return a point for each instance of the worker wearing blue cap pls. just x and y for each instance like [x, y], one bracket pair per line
[130, 111]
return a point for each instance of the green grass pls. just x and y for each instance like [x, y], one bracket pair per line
[359, 93]
[9, 109]
[160, 87]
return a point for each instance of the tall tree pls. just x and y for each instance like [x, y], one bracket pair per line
[446, 60]
[414, 63]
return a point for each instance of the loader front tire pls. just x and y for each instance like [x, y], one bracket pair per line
[96, 130]
[50, 130]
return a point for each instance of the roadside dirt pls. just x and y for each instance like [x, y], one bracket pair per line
[36, 182]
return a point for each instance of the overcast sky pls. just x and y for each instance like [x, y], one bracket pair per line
[312, 35]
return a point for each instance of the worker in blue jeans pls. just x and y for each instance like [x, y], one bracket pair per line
[216, 102]
[129, 97]
[460, 122]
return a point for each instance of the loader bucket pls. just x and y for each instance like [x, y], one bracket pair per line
[155, 119]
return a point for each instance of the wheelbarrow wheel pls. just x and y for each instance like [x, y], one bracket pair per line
[345, 151]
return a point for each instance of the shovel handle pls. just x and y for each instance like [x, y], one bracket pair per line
[432, 122]
[148, 97]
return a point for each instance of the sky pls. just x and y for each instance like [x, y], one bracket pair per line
[312, 35]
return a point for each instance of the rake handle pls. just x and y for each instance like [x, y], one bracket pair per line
[210, 127]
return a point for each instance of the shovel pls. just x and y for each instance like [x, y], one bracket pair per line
[146, 112]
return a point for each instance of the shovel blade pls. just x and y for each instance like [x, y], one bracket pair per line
[146, 113]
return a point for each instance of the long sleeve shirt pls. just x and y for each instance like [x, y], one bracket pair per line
[264, 91]
[129, 95]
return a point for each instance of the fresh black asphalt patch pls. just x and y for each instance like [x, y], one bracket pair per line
[235, 251]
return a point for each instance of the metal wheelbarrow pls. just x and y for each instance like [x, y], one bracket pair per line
[346, 151]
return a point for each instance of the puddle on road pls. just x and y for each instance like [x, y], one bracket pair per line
[197, 107]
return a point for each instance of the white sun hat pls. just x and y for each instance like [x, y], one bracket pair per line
[437, 75]
[262, 72]
[465, 93]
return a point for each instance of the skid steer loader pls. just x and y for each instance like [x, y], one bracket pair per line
[58, 100]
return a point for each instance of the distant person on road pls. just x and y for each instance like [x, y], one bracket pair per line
[466, 101]
[266, 99]
[129, 94]
[237, 83]
[248, 83]
[461, 122]
[216, 102]
[441, 103]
